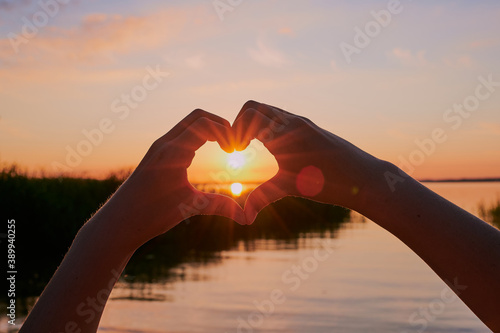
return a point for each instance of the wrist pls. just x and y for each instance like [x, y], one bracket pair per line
[379, 189]
[113, 223]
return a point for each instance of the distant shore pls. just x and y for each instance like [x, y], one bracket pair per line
[460, 180]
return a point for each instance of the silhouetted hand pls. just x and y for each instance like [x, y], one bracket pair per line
[155, 198]
[313, 163]
[158, 194]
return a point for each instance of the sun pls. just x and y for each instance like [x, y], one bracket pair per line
[236, 160]
[236, 188]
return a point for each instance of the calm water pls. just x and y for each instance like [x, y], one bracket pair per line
[361, 280]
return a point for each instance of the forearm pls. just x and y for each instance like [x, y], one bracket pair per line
[148, 204]
[463, 250]
[74, 299]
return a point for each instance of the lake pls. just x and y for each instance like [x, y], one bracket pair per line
[355, 278]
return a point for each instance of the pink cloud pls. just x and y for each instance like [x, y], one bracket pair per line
[286, 31]
[14, 4]
[267, 55]
[483, 43]
[408, 58]
[460, 61]
[101, 38]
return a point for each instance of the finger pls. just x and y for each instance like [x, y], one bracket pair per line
[271, 191]
[252, 124]
[201, 131]
[273, 112]
[270, 111]
[220, 205]
[224, 141]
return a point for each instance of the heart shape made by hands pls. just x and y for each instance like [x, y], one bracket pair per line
[231, 174]
[288, 139]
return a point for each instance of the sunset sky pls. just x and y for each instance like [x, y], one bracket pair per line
[380, 74]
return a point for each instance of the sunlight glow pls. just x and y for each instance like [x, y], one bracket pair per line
[236, 160]
[212, 165]
[236, 188]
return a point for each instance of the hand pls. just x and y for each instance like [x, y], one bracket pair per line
[316, 164]
[313, 163]
[158, 195]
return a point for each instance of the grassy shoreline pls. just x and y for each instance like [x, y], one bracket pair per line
[491, 214]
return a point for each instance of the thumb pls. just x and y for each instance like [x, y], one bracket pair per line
[274, 189]
[216, 204]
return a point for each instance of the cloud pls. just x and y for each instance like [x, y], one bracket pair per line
[418, 59]
[100, 38]
[257, 84]
[267, 56]
[14, 4]
[483, 43]
[195, 62]
[286, 31]
[459, 62]
[407, 58]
